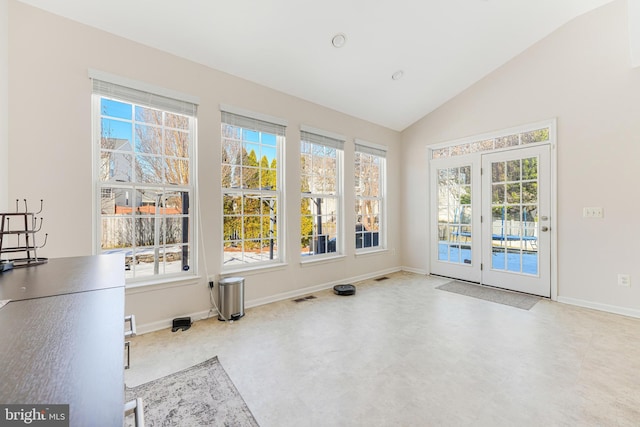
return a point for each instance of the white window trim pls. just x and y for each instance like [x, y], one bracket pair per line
[551, 124]
[165, 279]
[340, 248]
[382, 242]
[319, 259]
[282, 232]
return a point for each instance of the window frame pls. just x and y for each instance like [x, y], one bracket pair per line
[325, 140]
[250, 122]
[366, 235]
[132, 94]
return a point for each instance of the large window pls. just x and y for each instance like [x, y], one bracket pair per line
[320, 210]
[370, 164]
[251, 190]
[144, 177]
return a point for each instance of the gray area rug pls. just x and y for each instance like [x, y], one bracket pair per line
[514, 299]
[202, 395]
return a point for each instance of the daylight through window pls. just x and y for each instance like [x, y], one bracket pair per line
[370, 163]
[251, 190]
[145, 185]
[321, 202]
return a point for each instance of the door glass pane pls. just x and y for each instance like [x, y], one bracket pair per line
[497, 172]
[513, 192]
[497, 193]
[514, 216]
[530, 168]
[454, 215]
[513, 170]
[530, 192]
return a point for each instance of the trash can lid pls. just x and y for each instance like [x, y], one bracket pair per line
[228, 280]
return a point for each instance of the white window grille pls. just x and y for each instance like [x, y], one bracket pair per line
[321, 199]
[251, 191]
[519, 138]
[144, 159]
[370, 169]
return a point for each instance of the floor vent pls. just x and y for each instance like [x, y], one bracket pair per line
[307, 298]
[380, 279]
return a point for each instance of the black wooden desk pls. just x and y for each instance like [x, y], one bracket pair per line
[66, 348]
[62, 276]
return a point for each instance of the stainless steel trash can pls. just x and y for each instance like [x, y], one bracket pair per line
[231, 298]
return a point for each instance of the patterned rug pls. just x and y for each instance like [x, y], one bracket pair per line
[202, 395]
[500, 296]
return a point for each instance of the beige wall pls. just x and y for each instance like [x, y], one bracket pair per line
[580, 74]
[4, 105]
[50, 147]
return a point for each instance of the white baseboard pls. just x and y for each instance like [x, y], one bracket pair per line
[167, 323]
[414, 270]
[201, 315]
[599, 306]
[304, 291]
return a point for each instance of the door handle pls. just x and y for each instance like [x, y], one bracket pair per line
[544, 228]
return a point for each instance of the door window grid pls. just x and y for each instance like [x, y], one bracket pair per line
[454, 215]
[514, 222]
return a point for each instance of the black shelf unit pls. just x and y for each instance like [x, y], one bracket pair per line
[18, 235]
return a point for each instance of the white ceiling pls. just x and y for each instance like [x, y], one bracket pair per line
[443, 46]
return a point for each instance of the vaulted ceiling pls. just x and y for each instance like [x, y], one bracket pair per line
[439, 47]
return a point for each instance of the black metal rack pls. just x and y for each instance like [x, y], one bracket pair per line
[18, 235]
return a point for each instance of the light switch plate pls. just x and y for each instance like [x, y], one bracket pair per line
[593, 212]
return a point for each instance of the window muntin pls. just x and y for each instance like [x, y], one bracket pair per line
[514, 210]
[321, 198]
[370, 202]
[454, 207]
[250, 174]
[145, 184]
[525, 137]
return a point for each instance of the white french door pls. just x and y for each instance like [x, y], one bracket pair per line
[515, 220]
[455, 230]
[491, 218]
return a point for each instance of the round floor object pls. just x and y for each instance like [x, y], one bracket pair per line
[344, 289]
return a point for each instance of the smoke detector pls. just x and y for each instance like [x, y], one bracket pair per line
[339, 40]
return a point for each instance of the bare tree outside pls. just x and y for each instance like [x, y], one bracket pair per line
[368, 177]
[319, 202]
[145, 170]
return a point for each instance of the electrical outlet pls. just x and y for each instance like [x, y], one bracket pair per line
[211, 284]
[594, 212]
[624, 280]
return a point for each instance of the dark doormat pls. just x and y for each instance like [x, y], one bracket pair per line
[500, 296]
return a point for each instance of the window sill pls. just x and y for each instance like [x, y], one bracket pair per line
[253, 270]
[313, 259]
[372, 251]
[159, 284]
